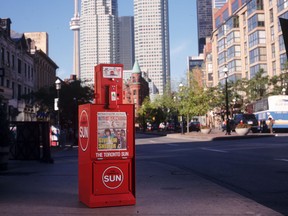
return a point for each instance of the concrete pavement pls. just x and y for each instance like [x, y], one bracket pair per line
[34, 188]
[217, 134]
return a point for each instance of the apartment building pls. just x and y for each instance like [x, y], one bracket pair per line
[247, 37]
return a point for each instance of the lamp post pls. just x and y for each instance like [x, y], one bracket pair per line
[228, 130]
[182, 120]
[58, 87]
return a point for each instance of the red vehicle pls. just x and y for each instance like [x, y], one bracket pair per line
[194, 126]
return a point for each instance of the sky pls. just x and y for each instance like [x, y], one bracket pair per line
[53, 17]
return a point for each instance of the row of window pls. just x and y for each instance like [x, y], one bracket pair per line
[8, 60]
[20, 89]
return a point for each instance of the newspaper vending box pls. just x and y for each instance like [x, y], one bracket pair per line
[107, 143]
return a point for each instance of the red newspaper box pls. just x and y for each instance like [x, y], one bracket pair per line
[107, 149]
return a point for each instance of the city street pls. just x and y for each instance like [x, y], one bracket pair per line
[174, 176]
[254, 168]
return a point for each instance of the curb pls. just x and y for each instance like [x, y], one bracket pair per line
[215, 137]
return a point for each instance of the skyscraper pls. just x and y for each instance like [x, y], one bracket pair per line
[204, 21]
[152, 40]
[99, 35]
[126, 39]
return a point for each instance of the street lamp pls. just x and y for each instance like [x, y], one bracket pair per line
[228, 130]
[182, 120]
[58, 87]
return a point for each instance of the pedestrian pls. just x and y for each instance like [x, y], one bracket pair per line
[270, 125]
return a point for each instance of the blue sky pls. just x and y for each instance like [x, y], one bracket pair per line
[53, 16]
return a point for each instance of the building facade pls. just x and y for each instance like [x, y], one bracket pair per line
[218, 3]
[21, 69]
[152, 40]
[40, 41]
[99, 36]
[136, 89]
[195, 70]
[204, 22]
[44, 70]
[126, 41]
[247, 37]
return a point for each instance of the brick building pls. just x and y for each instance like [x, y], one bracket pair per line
[136, 89]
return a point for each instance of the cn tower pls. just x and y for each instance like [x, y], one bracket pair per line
[75, 26]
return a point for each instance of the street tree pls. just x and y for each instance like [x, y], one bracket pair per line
[71, 95]
[193, 101]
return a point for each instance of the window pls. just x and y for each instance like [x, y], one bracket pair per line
[19, 66]
[283, 60]
[271, 15]
[19, 91]
[225, 14]
[257, 54]
[2, 55]
[254, 69]
[233, 51]
[221, 58]
[281, 5]
[256, 21]
[254, 5]
[13, 61]
[273, 50]
[281, 43]
[8, 59]
[235, 6]
[273, 68]
[257, 37]
[234, 66]
[272, 33]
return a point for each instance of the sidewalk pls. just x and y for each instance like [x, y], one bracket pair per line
[33, 188]
[217, 134]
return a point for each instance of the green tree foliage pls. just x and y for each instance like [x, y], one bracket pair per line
[280, 82]
[258, 86]
[163, 108]
[194, 101]
[71, 95]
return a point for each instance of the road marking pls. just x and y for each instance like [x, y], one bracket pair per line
[172, 144]
[213, 150]
[285, 160]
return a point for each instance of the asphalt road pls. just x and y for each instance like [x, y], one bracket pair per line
[174, 176]
[254, 168]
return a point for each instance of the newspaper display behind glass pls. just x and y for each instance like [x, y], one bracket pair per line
[111, 131]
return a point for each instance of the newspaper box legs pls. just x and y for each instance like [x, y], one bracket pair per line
[106, 155]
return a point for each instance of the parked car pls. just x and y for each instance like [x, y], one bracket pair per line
[194, 126]
[249, 119]
[171, 126]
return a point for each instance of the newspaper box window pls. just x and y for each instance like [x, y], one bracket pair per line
[111, 131]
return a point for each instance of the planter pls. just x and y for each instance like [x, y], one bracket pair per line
[4, 157]
[242, 131]
[206, 130]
